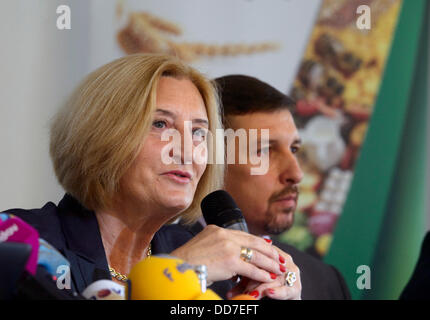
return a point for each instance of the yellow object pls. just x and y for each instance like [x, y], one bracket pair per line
[208, 295]
[243, 297]
[323, 243]
[163, 278]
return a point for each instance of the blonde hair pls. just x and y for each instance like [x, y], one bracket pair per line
[97, 135]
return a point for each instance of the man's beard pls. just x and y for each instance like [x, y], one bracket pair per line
[272, 226]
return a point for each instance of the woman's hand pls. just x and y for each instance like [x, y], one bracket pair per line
[278, 289]
[220, 250]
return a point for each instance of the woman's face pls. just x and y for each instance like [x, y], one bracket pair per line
[151, 180]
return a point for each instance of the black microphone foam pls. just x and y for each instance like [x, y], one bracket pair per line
[220, 209]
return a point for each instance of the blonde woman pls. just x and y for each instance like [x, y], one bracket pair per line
[121, 197]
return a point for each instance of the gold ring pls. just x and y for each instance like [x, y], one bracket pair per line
[246, 254]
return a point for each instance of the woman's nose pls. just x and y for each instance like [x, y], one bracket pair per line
[182, 152]
[188, 147]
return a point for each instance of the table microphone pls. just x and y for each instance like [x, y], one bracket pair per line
[13, 229]
[164, 277]
[104, 290]
[31, 263]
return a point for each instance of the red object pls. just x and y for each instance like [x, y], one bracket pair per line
[281, 259]
[282, 268]
[305, 108]
[272, 275]
[359, 113]
[268, 240]
[254, 294]
[322, 222]
[103, 293]
[348, 158]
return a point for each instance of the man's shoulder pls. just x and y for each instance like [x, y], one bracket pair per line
[171, 236]
[303, 258]
[319, 279]
[177, 229]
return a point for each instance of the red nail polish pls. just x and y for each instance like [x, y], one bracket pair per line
[268, 240]
[282, 268]
[281, 259]
[271, 291]
[254, 294]
[272, 275]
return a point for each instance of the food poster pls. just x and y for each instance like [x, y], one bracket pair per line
[218, 37]
[336, 88]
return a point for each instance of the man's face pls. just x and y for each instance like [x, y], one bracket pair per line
[268, 201]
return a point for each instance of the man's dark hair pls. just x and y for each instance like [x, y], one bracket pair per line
[242, 94]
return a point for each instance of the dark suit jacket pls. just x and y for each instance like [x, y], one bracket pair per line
[74, 231]
[418, 287]
[320, 281]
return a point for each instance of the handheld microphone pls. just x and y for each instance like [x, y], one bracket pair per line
[164, 277]
[220, 209]
[13, 229]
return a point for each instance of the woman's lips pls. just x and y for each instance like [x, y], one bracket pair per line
[178, 176]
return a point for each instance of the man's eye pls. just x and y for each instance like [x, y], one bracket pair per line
[159, 124]
[295, 149]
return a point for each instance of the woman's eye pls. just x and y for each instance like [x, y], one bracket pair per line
[263, 151]
[200, 133]
[159, 124]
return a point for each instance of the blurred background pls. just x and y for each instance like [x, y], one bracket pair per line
[362, 105]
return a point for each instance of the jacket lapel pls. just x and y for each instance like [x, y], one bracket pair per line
[84, 250]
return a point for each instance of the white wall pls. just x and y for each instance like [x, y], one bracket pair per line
[38, 67]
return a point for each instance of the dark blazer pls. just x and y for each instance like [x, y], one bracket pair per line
[320, 281]
[418, 287]
[74, 231]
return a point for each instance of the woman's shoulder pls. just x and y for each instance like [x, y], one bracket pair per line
[35, 216]
[45, 220]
